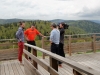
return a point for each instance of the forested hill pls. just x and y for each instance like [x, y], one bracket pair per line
[5, 21]
[7, 31]
[88, 26]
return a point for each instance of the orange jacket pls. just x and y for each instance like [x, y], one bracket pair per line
[31, 34]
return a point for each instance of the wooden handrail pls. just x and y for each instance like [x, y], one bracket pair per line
[8, 39]
[69, 62]
[78, 43]
[83, 34]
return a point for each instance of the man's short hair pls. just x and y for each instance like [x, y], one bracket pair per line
[54, 25]
[20, 23]
[33, 24]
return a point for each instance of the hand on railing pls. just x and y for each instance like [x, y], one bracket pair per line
[43, 36]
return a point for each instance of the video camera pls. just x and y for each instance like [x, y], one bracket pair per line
[64, 25]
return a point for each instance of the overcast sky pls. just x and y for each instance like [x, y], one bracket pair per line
[50, 9]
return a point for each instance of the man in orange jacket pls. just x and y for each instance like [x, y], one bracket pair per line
[30, 35]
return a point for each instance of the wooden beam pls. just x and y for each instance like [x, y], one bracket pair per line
[93, 43]
[54, 63]
[43, 47]
[69, 45]
[34, 52]
[26, 48]
[76, 72]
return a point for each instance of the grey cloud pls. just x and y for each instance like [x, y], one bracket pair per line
[17, 4]
[27, 4]
[89, 12]
[43, 10]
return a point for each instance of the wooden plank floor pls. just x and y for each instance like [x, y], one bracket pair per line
[90, 60]
[12, 67]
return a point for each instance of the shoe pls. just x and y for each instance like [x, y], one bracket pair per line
[21, 63]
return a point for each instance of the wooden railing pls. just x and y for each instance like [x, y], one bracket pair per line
[77, 43]
[52, 68]
[90, 42]
[8, 49]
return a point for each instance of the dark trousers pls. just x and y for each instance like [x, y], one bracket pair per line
[31, 43]
[54, 48]
[61, 51]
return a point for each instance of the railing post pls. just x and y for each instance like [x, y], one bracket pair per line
[53, 64]
[24, 53]
[43, 47]
[34, 52]
[13, 45]
[76, 72]
[93, 43]
[69, 45]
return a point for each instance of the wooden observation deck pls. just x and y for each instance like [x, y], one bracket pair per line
[82, 57]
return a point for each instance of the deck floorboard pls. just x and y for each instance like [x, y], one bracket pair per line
[13, 67]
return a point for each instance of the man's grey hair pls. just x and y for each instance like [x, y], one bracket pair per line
[54, 25]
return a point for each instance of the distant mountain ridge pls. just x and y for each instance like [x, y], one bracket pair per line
[96, 21]
[5, 21]
[61, 20]
[86, 25]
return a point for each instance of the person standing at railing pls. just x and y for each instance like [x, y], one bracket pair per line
[30, 35]
[54, 38]
[20, 37]
[62, 27]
